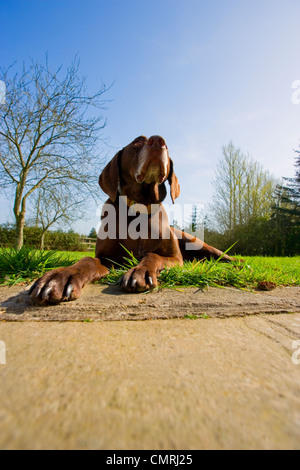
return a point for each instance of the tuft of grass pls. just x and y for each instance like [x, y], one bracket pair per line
[115, 274]
[25, 264]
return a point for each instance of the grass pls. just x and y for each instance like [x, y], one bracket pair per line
[247, 275]
[242, 275]
[26, 264]
[18, 266]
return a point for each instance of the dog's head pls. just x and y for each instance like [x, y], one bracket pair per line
[141, 169]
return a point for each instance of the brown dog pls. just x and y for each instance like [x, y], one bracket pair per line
[135, 181]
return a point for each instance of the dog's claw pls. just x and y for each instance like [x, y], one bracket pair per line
[46, 292]
[69, 291]
[32, 287]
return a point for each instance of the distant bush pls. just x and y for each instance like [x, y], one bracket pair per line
[60, 240]
[277, 236]
[54, 240]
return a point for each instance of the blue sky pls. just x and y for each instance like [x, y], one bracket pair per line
[198, 72]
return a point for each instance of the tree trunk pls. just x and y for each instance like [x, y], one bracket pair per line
[42, 243]
[19, 211]
[20, 231]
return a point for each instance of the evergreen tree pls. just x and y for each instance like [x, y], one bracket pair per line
[286, 214]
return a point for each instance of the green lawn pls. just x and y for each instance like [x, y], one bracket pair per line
[77, 255]
[23, 266]
[254, 270]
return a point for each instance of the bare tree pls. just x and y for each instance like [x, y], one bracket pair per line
[242, 190]
[54, 205]
[49, 128]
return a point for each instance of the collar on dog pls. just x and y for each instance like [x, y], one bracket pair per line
[133, 205]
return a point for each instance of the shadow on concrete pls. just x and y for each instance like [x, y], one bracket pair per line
[19, 303]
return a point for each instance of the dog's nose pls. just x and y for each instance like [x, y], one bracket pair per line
[156, 141]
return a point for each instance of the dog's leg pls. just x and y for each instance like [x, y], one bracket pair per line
[66, 283]
[193, 248]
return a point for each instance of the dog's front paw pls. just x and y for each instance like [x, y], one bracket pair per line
[138, 279]
[56, 286]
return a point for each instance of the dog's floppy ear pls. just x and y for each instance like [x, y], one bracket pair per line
[174, 185]
[109, 178]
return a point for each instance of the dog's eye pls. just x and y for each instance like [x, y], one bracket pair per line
[139, 142]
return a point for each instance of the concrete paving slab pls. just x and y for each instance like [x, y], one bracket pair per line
[228, 383]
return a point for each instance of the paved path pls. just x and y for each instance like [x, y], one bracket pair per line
[161, 384]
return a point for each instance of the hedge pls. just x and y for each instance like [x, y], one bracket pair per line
[54, 240]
